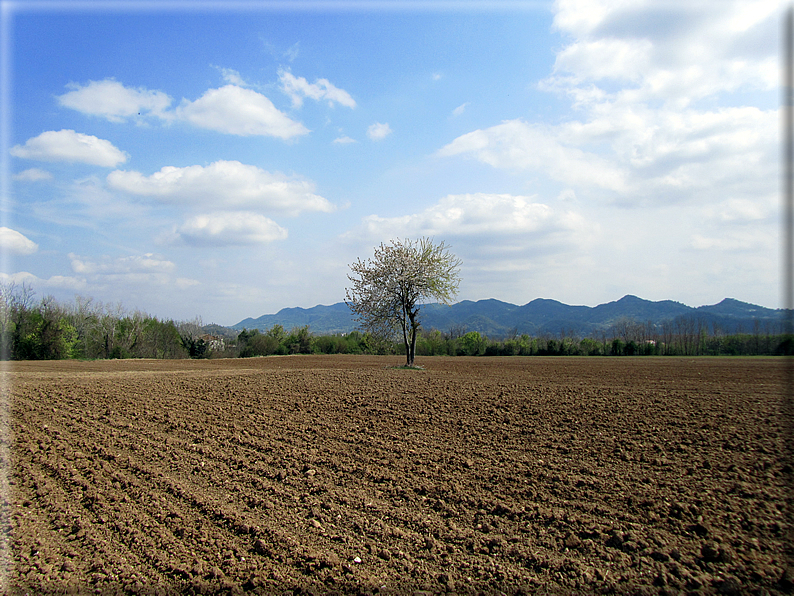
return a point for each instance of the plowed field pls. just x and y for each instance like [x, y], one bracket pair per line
[340, 473]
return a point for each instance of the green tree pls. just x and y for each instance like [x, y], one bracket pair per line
[473, 344]
[277, 332]
[253, 343]
[299, 341]
[44, 333]
[388, 289]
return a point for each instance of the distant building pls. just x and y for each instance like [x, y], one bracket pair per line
[214, 343]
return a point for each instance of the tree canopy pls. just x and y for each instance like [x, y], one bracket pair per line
[388, 289]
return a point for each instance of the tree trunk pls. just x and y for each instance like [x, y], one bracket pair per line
[410, 349]
[404, 322]
[414, 327]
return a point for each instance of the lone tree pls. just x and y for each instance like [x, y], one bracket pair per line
[388, 289]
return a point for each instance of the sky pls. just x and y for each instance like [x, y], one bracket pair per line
[229, 160]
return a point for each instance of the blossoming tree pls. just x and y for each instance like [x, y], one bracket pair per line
[388, 289]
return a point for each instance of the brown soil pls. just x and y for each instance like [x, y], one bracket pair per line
[339, 473]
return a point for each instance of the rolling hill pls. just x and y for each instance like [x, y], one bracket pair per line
[497, 319]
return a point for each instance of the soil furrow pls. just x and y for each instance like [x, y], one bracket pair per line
[523, 475]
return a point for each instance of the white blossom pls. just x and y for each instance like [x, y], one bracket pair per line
[388, 289]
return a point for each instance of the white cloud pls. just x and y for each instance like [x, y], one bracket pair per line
[135, 264]
[618, 59]
[677, 52]
[460, 109]
[54, 282]
[635, 73]
[378, 131]
[112, 278]
[344, 140]
[226, 184]
[112, 100]
[230, 229]
[508, 241]
[33, 175]
[231, 109]
[70, 146]
[15, 243]
[234, 110]
[129, 275]
[298, 88]
[516, 144]
[232, 76]
[492, 216]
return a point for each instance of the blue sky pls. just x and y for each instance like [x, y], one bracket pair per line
[227, 161]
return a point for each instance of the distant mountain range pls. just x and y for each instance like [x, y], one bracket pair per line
[498, 319]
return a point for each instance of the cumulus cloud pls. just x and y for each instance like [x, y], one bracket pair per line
[636, 73]
[675, 53]
[643, 155]
[227, 184]
[618, 59]
[378, 131]
[479, 214]
[513, 241]
[231, 109]
[344, 140]
[244, 112]
[33, 175]
[230, 229]
[15, 243]
[111, 100]
[70, 146]
[298, 87]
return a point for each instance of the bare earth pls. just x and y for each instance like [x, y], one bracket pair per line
[341, 473]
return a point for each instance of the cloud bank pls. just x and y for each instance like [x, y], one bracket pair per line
[493, 219]
[638, 75]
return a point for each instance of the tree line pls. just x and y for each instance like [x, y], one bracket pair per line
[664, 340]
[43, 329]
